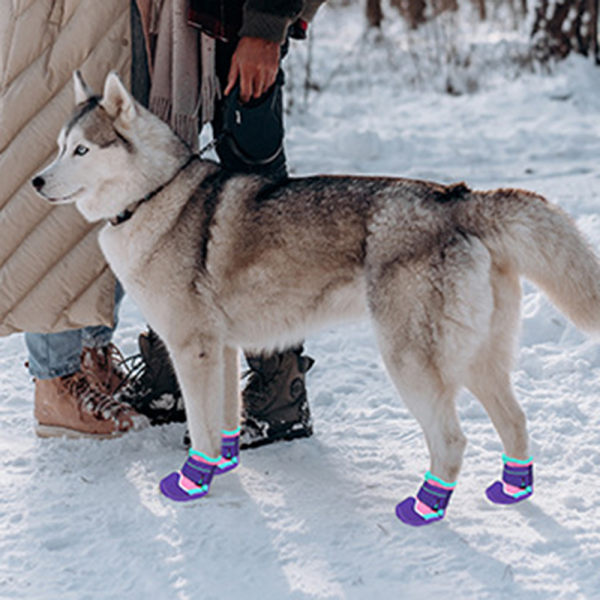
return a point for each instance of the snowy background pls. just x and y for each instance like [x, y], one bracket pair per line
[315, 518]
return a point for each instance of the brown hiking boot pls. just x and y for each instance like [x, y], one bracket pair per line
[74, 407]
[275, 406]
[104, 367]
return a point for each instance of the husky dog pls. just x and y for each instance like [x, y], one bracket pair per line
[218, 261]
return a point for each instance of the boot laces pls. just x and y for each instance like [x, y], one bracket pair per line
[135, 371]
[100, 364]
[91, 400]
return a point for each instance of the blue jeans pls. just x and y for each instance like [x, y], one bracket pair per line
[57, 354]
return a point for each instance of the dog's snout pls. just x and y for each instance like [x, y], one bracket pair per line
[38, 183]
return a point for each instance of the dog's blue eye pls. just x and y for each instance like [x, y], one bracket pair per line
[81, 150]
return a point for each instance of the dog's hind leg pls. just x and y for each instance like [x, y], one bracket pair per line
[493, 388]
[488, 375]
[413, 346]
[431, 400]
[429, 315]
[490, 383]
[432, 403]
[489, 380]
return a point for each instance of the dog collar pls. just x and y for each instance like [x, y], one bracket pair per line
[129, 212]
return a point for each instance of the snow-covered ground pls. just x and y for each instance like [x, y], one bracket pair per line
[315, 518]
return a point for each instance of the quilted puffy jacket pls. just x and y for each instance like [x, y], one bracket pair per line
[53, 276]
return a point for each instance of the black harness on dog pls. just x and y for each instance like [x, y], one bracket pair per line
[129, 212]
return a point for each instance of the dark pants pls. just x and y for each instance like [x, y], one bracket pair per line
[252, 162]
[140, 87]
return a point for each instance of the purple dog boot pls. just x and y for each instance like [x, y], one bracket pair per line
[192, 481]
[230, 451]
[516, 484]
[430, 504]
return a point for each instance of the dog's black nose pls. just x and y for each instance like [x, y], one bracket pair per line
[38, 183]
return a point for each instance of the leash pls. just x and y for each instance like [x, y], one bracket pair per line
[212, 144]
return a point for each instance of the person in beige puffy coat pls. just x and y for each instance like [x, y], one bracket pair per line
[53, 277]
[57, 283]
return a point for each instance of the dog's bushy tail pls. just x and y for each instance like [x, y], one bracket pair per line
[546, 247]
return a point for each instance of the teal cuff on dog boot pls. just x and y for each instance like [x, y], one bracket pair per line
[516, 484]
[230, 451]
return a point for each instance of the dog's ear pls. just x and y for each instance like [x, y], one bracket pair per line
[116, 100]
[82, 92]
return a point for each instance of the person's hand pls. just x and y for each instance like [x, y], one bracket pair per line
[255, 63]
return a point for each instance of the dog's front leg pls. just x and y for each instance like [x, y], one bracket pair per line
[231, 406]
[230, 440]
[199, 364]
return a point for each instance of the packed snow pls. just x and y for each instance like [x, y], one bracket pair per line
[314, 519]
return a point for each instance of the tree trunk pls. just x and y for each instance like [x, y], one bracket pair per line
[441, 6]
[482, 9]
[566, 26]
[374, 13]
[594, 30]
[412, 10]
[415, 11]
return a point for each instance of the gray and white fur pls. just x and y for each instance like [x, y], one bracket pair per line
[217, 262]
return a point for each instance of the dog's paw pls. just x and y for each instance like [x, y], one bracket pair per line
[227, 464]
[191, 482]
[430, 504]
[498, 493]
[174, 487]
[516, 484]
[407, 512]
[230, 451]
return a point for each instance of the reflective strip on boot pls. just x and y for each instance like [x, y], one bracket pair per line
[230, 451]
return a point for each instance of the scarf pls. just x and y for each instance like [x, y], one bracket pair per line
[182, 53]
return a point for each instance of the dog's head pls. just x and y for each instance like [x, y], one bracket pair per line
[112, 152]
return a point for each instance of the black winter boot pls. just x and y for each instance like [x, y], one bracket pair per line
[274, 401]
[152, 388]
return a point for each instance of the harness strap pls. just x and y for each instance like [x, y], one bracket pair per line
[129, 212]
